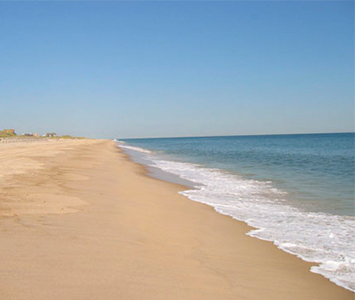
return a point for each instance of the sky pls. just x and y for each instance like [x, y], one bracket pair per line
[121, 69]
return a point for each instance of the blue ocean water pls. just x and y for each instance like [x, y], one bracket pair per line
[298, 190]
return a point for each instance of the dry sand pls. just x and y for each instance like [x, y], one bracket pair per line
[78, 220]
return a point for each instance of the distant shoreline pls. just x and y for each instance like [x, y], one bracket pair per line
[34, 139]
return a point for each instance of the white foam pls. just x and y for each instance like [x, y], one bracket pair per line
[124, 145]
[325, 239]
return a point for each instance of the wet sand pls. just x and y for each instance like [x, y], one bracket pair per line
[79, 220]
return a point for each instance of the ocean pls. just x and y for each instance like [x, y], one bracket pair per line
[296, 190]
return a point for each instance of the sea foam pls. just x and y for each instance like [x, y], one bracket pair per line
[321, 238]
[124, 145]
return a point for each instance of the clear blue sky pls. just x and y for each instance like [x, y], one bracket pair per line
[148, 69]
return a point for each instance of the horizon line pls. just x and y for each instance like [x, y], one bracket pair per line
[231, 135]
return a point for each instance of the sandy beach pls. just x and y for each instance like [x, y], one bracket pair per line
[79, 220]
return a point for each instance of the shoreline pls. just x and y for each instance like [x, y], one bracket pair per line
[126, 235]
[175, 179]
[315, 236]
